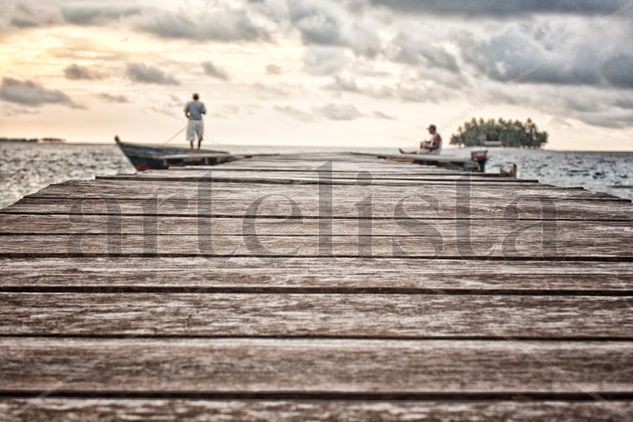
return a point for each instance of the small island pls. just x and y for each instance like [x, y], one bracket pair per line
[500, 133]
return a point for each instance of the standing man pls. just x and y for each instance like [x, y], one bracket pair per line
[194, 110]
[432, 146]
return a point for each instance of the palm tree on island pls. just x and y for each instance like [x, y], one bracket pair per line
[500, 132]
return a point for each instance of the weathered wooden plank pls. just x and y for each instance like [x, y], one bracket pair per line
[373, 170]
[522, 245]
[219, 175]
[342, 275]
[492, 230]
[317, 160]
[315, 366]
[315, 315]
[336, 165]
[148, 188]
[314, 180]
[342, 207]
[164, 410]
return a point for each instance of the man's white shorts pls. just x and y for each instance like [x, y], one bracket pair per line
[195, 128]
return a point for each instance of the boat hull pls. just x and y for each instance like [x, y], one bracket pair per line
[149, 157]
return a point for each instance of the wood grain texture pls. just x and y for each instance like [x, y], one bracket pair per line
[315, 366]
[253, 191]
[315, 180]
[316, 315]
[394, 170]
[343, 275]
[519, 247]
[493, 209]
[459, 230]
[366, 177]
[165, 410]
[486, 298]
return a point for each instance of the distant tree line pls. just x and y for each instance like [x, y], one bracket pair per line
[18, 140]
[511, 133]
[34, 140]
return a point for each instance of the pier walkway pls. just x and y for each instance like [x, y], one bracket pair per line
[316, 287]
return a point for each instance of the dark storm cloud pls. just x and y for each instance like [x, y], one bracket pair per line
[501, 8]
[214, 71]
[140, 72]
[76, 72]
[515, 55]
[32, 94]
[625, 103]
[619, 71]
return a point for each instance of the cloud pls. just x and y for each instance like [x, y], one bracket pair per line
[349, 84]
[514, 54]
[339, 112]
[140, 72]
[532, 56]
[405, 49]
[76, 72]
[591, 105]
[11, 110]
[619, 71]
[29, 15]
[295, 113]
[221, 24]
[384, 116]
[199, 22]
[120, 99]
[273, 69]
[97, 15]
[625, 102]
[502, 8]
[32, 94]
[325, 60]
[326, 23]
[318, 22]
[276, 90]
[214, 71]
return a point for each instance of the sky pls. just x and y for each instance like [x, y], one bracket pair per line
[358, 73]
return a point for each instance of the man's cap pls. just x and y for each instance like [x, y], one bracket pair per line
[432, 127]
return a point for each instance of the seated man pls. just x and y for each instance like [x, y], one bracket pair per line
[432, 146]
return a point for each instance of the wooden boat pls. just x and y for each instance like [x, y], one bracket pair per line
[149, 157]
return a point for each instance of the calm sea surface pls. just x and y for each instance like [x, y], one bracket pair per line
[27, 168]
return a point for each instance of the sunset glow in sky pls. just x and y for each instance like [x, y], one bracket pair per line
[361, 73]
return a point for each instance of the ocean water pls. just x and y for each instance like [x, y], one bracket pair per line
[27, 168]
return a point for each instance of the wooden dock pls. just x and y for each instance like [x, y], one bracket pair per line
[320, 287]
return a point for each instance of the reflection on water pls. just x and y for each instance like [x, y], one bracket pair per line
[27, 168]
